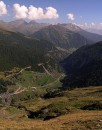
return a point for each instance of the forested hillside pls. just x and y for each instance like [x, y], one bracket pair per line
[84, 67]
[17, 50]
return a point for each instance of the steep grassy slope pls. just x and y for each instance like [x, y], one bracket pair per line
[48, 106]
[68, 106]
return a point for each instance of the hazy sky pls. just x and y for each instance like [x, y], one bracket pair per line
[82, 12]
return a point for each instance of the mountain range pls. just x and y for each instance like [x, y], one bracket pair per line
[23, 44]
[89, 35]
[94, 30]
[29, 28]
[23, 26]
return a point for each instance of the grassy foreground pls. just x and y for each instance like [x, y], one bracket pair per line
[68, 103]
[77, 121]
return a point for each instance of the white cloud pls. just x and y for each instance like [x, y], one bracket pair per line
[86, 24]
[101, 24]
[71, 16]
[51, 13]
[79, 25]
[92, 24]
[21, 11]
[34, 13]
[3, 9]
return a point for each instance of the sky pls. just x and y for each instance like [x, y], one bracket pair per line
[86, 13]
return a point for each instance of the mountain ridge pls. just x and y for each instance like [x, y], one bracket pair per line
[28, 28]
[89, 35]
[60, 36]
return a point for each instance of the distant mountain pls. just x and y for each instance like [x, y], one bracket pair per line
[61, 37]
[28, 28]
[17, 50]
[84, 67]
[22, 26]
[89, 35]
[94, 30]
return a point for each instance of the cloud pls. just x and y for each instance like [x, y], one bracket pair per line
[70, 16]
[101, 24]
[80, 25]
[33, 13]
[86, 24]
[51, 13]
[21, 11]
[92, 24]
[3, 9]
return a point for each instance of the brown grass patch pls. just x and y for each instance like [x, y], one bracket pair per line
[83, 120]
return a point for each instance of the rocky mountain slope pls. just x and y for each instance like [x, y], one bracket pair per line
[31, 27]
[23, 26]
[89, 35]
[61, 37]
